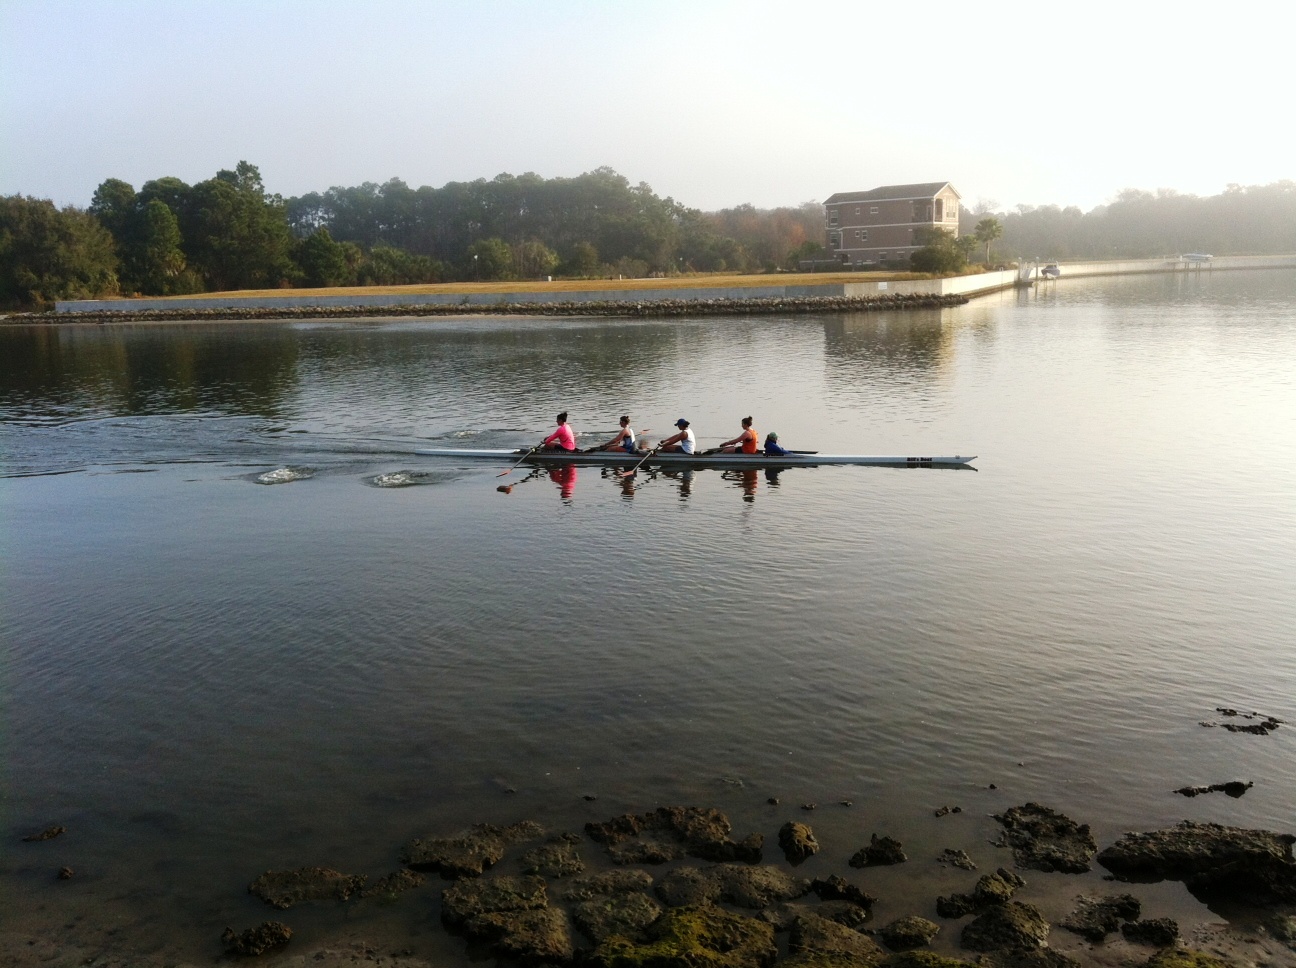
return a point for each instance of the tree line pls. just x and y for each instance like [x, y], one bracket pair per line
[226, 233]
[1241, 220]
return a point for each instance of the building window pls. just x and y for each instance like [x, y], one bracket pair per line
[872, 209]
[864, 235]
[940, 210]
[832, 217]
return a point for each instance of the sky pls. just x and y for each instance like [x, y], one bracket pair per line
[712, 102]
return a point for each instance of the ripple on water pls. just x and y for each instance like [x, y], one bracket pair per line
[284, 475]
[409, 478]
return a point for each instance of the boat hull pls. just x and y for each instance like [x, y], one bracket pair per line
[607, 458]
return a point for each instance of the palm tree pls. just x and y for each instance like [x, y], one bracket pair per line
[987, 230]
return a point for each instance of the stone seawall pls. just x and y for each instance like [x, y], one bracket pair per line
[665, 301]
[644, 305]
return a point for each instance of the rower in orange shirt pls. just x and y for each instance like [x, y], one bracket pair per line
[745, 441]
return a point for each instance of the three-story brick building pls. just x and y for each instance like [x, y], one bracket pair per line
[877, 226]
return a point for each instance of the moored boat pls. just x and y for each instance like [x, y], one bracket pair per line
[609, 458]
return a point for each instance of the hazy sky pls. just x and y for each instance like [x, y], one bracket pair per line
[714, 103]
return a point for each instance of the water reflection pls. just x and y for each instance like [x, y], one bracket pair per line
[627, 484]
[914, 342]
[682, 476]
[746, 480]
[52, 373]
[564, 477]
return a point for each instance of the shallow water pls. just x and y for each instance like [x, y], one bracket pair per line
[204, 679]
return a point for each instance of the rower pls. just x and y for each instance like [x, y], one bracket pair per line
[562, 438]
[772, 448]
[745, 441]
[681, 443]
[624, 440]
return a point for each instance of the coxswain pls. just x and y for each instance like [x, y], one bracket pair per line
[772, 448]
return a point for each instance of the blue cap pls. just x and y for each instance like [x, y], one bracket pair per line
[681, 422]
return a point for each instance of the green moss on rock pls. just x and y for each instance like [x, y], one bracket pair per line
[922, 959]
[699, 936]
[1184, 958]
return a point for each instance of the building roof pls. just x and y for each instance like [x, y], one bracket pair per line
[892, 193]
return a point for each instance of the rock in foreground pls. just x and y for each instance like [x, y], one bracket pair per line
[814, 935]
[880, 852]
[906, 934]
[739, 884]
[1007, 927]
[536, 937]
[1097, 917]
[283, 889]
[1045, 840]
[1209, 858]
[1157, 932]
[798, 841]
[469, 852]
[694, 937]
[990, 889]
[256, 941]
[473, 898]
[667, 833]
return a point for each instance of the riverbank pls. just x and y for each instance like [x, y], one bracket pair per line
[611, 895]
[646, 305]
[695, 295]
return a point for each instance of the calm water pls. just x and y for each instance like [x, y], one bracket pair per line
[204, 677]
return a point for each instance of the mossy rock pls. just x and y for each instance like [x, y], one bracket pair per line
[541, 936]
[605, 884]
[824, 959]
[699, 936]
[392, 886]
[283, 889]
[266, 936]
[469, 852]
[813, 934]
[1005, 927]
[558, 858]
[625, 915]
[469, 899]
[922, 959]
[906, 934]
[1184, 958]
[1027, 958]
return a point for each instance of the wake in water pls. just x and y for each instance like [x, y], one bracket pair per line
[285, 475]
[409, 478]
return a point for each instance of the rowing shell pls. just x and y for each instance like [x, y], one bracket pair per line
[611, 458]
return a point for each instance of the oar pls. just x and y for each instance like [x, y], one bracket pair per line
[518, 464]
[632, 471]
[508, 489]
